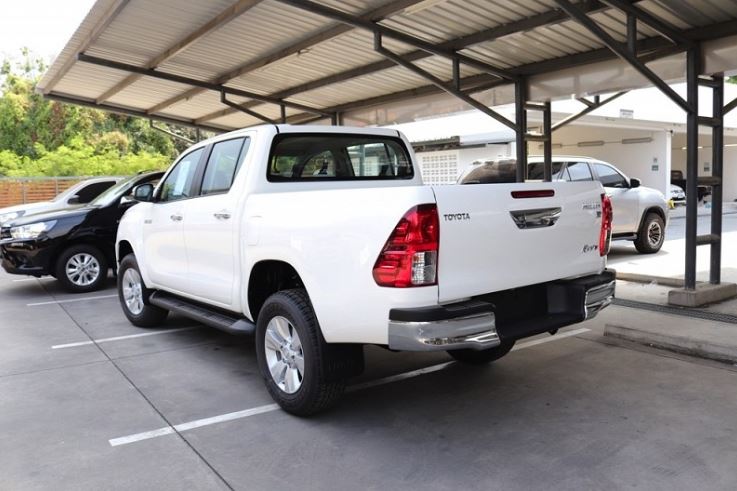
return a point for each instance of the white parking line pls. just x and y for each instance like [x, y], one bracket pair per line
[168, 430]
[71, 300]
[561, 335]
[119, 338]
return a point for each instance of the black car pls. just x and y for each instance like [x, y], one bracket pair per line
[76, 245]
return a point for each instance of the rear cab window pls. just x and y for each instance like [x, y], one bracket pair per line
[303, 157]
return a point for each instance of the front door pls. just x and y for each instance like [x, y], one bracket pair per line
[625, 201]
[163, 240]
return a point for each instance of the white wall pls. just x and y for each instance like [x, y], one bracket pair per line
[492, 151]
[649, 162]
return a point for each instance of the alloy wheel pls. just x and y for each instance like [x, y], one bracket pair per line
[284, 355]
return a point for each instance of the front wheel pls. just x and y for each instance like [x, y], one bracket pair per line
[482, 357]
[293, 357]
[81, 268]
[651, 235]
[133, 296]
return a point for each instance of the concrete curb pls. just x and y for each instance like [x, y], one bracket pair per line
[646, 278]
[717, 350]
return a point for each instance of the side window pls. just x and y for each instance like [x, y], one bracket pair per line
[92, 191]
[223, 165]
[178, 184]
[609, 177]
[579, 171]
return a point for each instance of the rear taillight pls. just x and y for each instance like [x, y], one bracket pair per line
[410, 255]
[605, 234]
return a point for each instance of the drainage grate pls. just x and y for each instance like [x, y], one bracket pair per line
[667, 309]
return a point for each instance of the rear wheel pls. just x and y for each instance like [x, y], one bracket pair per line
[81, 268]
[482, 357]
[133, 296]
[293, 357]
[651, 235]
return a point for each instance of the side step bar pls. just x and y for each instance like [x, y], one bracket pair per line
[205, 315]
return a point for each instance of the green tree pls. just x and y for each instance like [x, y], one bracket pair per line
[43, 137]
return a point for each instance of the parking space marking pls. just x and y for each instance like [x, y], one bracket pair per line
[198, 423]
[167, 430]
[119, 338]
[71, 300]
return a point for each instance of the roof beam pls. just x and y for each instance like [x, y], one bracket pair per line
[213, 24]
[340, 16]
[532, 22]
[109, 16]
[622, 52]
[451, 88]
[132, 112]
[664, 28]
[194, 82]
[590, 106]
[658, 47]
[331, 32]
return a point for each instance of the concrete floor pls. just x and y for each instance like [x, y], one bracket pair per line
[670, 260]
[572, 411]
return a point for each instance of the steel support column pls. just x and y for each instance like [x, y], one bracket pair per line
[717, 171]
[520, 98]
[693, 68]
[547, 144]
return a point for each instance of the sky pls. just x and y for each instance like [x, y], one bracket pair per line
[44, 26]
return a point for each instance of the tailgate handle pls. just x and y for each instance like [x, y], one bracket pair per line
[537, 218]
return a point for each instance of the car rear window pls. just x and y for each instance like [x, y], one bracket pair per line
[335, 157]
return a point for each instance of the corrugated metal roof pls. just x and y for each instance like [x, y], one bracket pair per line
[337, 70]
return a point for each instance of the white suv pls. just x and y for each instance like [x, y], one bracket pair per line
[640, 213]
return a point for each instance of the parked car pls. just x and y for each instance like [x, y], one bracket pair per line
[322, 239]
[640, 213]
[79, 194]
[677, 195]
[677, 178]
[74, 244]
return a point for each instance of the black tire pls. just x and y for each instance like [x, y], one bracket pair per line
[652, 227]
[72, 282]
[320, 386]
[150, 315]
[482, 357]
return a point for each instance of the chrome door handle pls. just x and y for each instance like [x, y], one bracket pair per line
[176, 218]
[222, 215]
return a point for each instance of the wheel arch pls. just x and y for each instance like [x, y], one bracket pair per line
[124, 248]
[268, 277]
[652, 209]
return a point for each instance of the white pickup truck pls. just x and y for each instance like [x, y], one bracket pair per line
[322, 239]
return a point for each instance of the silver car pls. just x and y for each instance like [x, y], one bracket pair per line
[79, 194]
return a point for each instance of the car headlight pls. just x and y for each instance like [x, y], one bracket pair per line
[32, 230]
[6, 217]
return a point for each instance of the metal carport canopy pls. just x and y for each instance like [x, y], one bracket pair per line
[226, 64]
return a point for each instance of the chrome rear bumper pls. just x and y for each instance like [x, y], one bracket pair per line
[483, 322]
[476, 331]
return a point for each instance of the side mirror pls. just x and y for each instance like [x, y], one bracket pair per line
[634, 183]
[73, 200]
[143, 192]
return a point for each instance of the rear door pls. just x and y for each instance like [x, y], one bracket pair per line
[211, 225]
[163, 240]
[494, 238]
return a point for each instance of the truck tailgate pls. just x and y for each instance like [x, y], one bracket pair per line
[492, 241]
